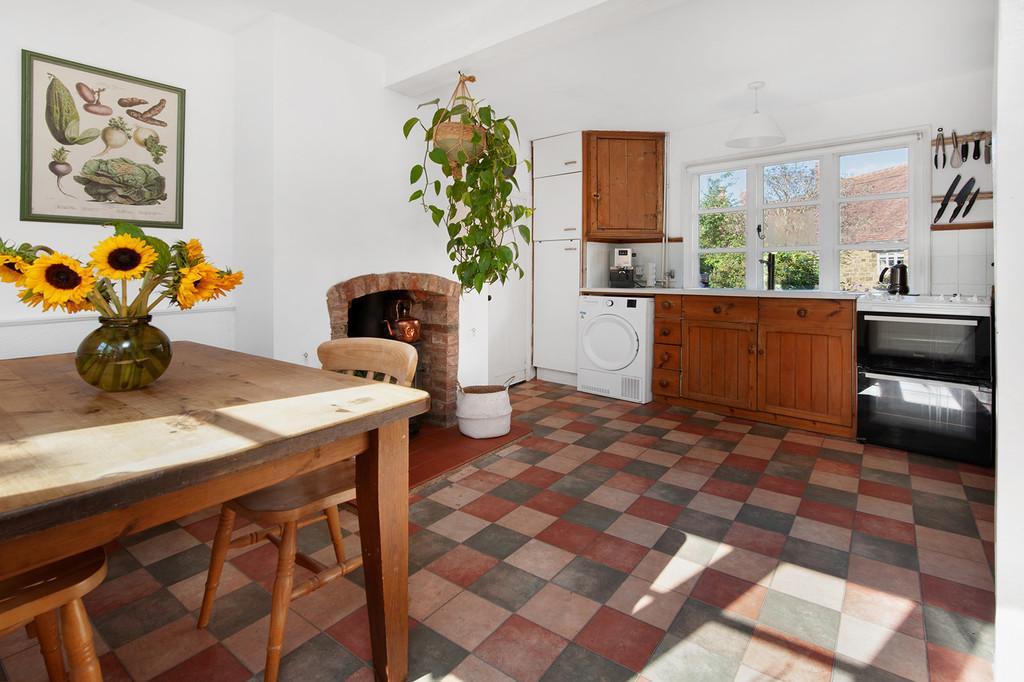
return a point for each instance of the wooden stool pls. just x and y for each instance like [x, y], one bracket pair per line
[307, 499]
[35, 597]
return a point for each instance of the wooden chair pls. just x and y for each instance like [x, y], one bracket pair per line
[37, 596]
[299, 502]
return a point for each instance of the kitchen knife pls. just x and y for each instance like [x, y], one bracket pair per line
[961, 199]
[940, 146]
[955, 159]
[970, 204]
[945, 199]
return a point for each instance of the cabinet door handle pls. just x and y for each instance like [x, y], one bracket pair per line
[569, 248]
[568, 229]
[760, 351]
[570, 163]
[751, 349]
[802, 312]
[665, 331]
[717, 310]
[596, 195]
[665, 357]
[666, 304]
[663, 383]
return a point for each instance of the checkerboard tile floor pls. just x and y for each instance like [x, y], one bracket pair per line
[616, 542]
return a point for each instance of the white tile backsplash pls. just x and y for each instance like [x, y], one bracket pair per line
[962, 262]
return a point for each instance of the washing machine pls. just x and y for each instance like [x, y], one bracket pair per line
[615, 349]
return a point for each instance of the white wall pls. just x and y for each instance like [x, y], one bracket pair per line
[336, 206]
[962, 103]
[152, 45]
[1009, 240]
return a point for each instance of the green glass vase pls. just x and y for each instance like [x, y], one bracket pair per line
[123, 354]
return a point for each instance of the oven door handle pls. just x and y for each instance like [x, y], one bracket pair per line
[930, 382]
[957, 322]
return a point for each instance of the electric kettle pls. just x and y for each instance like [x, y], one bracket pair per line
[899, 282]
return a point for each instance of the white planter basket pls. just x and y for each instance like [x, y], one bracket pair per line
[484, 411]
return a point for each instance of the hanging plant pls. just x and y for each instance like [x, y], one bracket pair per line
[472, 147]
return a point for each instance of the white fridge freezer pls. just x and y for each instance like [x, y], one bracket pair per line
[556, 285]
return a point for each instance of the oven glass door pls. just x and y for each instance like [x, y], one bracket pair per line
[954, 347]
[939, 418]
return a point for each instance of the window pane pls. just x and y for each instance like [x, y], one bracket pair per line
[722, 230]
[727, 189]
[859, 268]
[873, 220]
[723, 270]
[795, 270]
[797, 181]
[794, 226]
[873, 173]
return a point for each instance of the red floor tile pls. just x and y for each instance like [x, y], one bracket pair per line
[729, 489]
[539, 477]
[620, 638]
[834, 467]
[696, 466]
[629, 482]
[552, 503]
[489, 507]
[615, 552]
[952, 596]
[120, 591]
[353, 632]
[462, 565]
[794, 448]
[654, 510]
[699, 429]
[521, 649]
[755, 539]
[882, 527]
[826, 513]
[786, 486]
[568, 536]
[885, 491]
[639, 439]
[730, 593]
[542, 444]
[946, 665]
[607, 459]
[745, 462]
[482, 481]
[215, 664]
[112, 669]
[936, 473]
[579, 427]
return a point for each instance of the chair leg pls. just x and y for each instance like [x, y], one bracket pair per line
[334, 525]
[281, 599]
[49, 643]
[82, 661]
[221, 544]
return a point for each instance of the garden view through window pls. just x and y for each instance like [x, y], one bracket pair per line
[832, 219]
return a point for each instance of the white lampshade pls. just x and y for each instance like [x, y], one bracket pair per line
[756, 129]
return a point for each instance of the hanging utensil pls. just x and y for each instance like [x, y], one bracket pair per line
[970, 204]
[940, 147]
[961, 199]
[945, 199]
[955, 159]
[988, 150]
[965, 148]
[977, 146]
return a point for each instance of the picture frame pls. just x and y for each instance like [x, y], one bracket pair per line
[99, 146]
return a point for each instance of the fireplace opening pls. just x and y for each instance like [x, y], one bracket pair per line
[362, 306]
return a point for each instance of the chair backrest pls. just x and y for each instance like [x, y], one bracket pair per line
[394, 359]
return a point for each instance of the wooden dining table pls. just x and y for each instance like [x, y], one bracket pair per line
[80, 468]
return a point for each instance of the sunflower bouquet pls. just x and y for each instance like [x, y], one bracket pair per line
[178, 273]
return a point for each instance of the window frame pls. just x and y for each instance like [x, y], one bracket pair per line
[829, 245]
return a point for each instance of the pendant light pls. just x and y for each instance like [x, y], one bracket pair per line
[756, 129]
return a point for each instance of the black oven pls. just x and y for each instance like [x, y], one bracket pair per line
[946, 419]
[958, 347]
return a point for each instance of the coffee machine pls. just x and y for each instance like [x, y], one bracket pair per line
[622, 272]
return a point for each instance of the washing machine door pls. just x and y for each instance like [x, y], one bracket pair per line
[610, 342]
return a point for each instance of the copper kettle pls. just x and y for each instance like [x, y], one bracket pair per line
[404, 329]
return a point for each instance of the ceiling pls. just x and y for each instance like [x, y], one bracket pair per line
[659, 64]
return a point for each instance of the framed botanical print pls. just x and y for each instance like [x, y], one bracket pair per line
[99, 146]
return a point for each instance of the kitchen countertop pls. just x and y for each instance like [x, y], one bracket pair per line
[777, 293]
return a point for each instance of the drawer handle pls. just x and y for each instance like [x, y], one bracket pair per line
[663, 383]
[665, 331]
[666, 304]
[717, 309]
[801, 312]
[665, 357]
[569, 248]
[568, 229]
[570, 163]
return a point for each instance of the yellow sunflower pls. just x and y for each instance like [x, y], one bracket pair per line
[196, 283]
[59, 279]
[32, 299]
[194, 251]
[123, 257]
[12, 268]
[225, 282]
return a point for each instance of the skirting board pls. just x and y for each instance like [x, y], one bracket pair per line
[556, 376]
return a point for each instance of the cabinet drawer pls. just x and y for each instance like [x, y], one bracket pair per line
[667, 305]
[812, 312]
[668, 332]
[557, 155]
[720, 308]
[665, 382]
[666, 356]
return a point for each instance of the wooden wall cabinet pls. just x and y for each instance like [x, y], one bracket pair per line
[624, 186]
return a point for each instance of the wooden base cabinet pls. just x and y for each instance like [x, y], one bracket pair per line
[720, 362]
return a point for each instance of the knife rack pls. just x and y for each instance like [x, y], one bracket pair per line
[982, 136]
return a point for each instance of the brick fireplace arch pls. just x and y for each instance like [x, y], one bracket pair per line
[436, 304]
